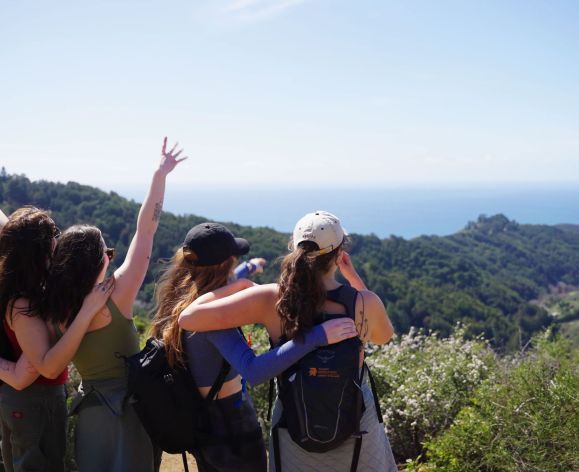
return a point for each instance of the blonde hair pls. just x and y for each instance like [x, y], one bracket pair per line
[179, 285]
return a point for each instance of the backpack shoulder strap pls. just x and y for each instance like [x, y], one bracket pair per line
[345, 296]
[374, 394]
[219, 380]
[225, 368]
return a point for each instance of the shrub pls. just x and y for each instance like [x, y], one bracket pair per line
[526, 420]
[260, 393]
[423, 381]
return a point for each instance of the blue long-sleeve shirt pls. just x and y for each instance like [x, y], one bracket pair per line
[244, 270]
[206, 351]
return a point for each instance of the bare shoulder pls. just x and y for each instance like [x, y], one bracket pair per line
[19, 311]
[22, 319]
[370, 300]
[369, 310]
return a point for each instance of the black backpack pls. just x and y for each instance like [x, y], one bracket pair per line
[167, 400]
[321, 394]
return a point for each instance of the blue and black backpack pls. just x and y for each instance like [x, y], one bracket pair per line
[321, 394]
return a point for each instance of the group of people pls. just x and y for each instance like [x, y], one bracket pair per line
[58, 306]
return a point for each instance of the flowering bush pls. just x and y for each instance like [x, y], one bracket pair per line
[423, 381]
[527, 419]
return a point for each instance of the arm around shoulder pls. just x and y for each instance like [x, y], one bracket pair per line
[252, 305]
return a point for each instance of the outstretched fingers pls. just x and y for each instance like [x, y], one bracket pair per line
[170, 159]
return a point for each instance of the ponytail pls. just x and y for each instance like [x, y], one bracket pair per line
[301, 291]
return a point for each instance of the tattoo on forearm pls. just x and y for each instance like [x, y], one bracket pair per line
[157, 211]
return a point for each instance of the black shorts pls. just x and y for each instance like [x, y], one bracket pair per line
[238, 443]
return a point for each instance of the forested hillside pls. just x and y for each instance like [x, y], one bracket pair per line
[485, 275]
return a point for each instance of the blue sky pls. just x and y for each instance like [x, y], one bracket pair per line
[291, 92]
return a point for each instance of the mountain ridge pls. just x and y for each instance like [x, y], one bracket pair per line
[485, 275]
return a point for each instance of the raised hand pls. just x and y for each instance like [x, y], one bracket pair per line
[258, 263]
[349, 271]
[169, 159]
[339, 329]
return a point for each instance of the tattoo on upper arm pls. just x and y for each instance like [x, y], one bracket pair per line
[157, 211]
[363, 326]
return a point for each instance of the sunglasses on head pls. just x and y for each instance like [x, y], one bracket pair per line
[110, 252]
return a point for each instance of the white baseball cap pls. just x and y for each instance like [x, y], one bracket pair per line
[322, 228]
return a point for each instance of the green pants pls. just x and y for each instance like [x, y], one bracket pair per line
[34, 428]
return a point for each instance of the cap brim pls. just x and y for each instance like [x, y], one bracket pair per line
[242, 246]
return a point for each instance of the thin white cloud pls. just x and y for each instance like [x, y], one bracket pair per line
[252, 10]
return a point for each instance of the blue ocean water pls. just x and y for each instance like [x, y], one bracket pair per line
[402, 211]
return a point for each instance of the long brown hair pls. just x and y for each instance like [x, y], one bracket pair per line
[25, 255]
[301, 291]
[76, 264]
[181, 283]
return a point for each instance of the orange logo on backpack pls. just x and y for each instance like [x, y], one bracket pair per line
[313, 372]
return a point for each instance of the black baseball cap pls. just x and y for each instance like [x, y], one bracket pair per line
[213, 243]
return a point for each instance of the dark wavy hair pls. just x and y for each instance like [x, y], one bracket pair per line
[25, 256]
[180, 284]
[76, 263]
[301, 291]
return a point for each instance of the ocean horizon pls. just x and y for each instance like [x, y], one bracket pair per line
[405, 211]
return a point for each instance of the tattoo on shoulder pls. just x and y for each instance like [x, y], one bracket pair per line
[157, 211]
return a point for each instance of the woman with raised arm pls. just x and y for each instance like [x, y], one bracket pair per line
[32, 407]
[205, 263]
[307, 288]
[109, 435]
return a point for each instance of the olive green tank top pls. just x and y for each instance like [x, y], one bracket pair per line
[99, 354]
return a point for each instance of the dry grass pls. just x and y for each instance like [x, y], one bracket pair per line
[174, 463]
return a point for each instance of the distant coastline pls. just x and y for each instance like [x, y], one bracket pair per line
[402, 211]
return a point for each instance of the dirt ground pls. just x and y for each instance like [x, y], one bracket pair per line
[174, 463]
